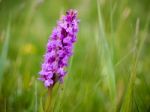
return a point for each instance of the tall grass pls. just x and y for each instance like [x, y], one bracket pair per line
[138, 43]
[127, 104]
[106, 59]
[4, 52]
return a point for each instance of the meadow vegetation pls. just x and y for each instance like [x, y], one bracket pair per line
[109, 71]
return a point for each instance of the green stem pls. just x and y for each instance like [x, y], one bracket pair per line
[48, 101]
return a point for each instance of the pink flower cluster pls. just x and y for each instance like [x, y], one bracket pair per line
[59, 49]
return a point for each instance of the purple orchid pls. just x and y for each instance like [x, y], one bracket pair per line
[59, 49]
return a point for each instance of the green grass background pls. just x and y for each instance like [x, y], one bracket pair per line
[110, 69]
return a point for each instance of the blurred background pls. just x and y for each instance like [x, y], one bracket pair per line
[110, 67]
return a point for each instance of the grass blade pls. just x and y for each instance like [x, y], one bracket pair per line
[4, 50]
[106, 58]
[127, 105]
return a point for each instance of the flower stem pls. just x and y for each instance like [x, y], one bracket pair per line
[48, 100]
